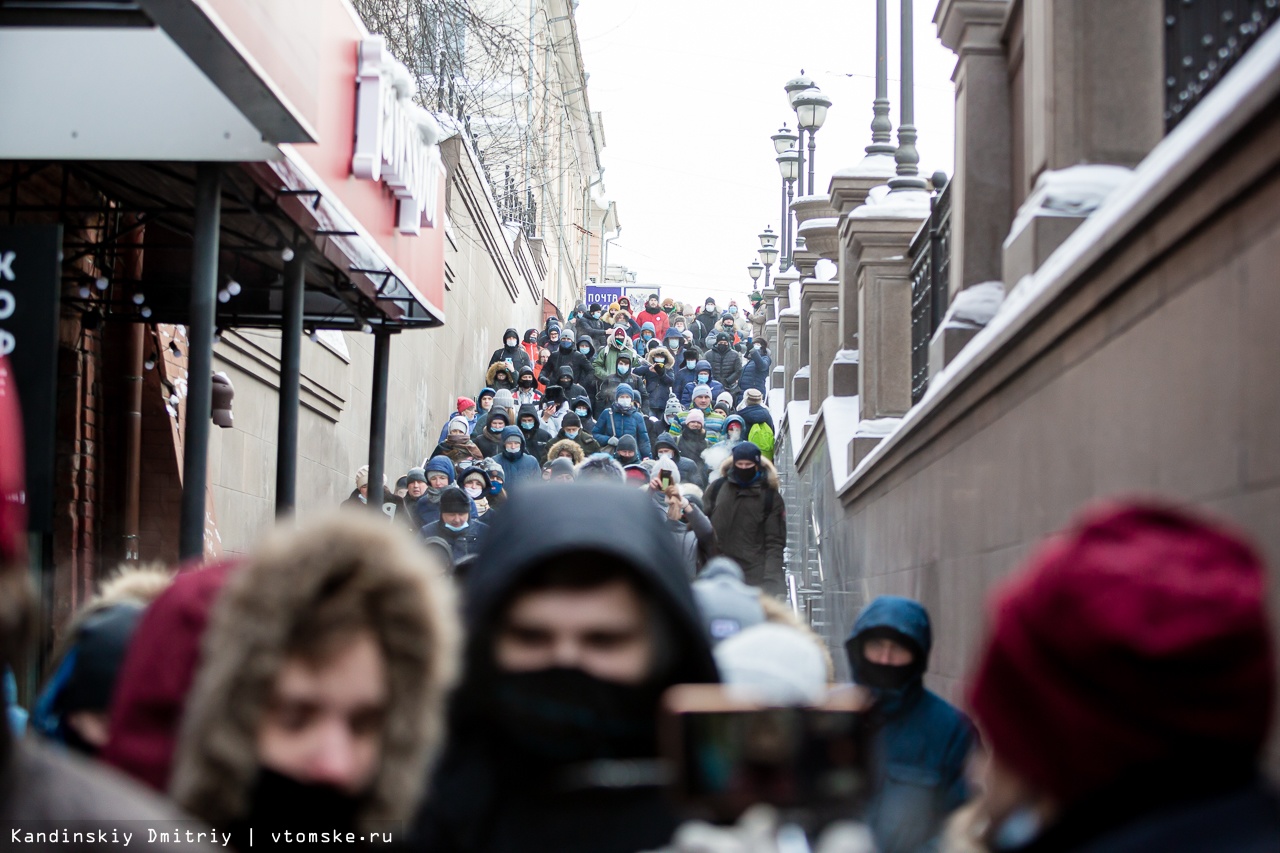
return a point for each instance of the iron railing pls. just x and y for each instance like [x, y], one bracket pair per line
[930, 276]
[1203, 40]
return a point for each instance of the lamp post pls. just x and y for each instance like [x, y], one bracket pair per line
[789, 166]
[908, 178]
[754, 269]
[784, 140]
[811, 111]
[768, 251]
[793, 88]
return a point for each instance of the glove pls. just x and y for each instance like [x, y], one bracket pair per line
[613, 442]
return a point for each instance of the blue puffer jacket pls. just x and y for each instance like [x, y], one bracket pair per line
[922, 743]
[615, 424]
[755, 374]
[523, 467]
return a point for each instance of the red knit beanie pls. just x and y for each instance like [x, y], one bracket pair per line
[1138, 635]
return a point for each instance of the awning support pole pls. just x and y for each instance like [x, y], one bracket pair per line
[295, 280]
[378, 416]
[204, 288]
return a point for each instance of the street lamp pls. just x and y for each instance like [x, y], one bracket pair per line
[793, 88]
[768, 251]
[789, 166]
[784, 140]
[811, 111]
[754, 269]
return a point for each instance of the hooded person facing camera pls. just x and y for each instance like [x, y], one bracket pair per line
[921, 742]
[319, 699]
[620, 420]
[510, 352]
[517, 465]
[572, 638]
[455, 526]
[747, 512]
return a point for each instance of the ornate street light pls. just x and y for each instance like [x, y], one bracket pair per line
[793, 88]
[768, 251]
[754, 269]
[789, 166]
[811, 111]
[784, 140]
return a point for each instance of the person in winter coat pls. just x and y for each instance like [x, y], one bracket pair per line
[692, 530]
[530, 344]
[593, 326]
[526, 391]
[653, 313]
[571, 429]
[622, 419]
[319, 698]
[606, 360]
[1140, 651]
[503, 401]
[489, 440]
[733, 433]
[747, 511]
[566, 380]
[726, 364]
[440, 475]
[701, 377]
[456, 525]
[582, 407]
[359, 496]
[465, 408]
[666, 447]
[527, 725]
[501, 377]
[705, 322]
[687, 369]
[484, 402]
[565, 355]
[753, 410]
[587, 377]
[657, 372]
[511, 352]
[517, 465]
[755, 372]
[458, 445]
[623, 374]
[73, 707]
[536, 438]
[565, 448]
[921, 741]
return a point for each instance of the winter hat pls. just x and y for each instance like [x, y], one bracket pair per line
[673, 406]
[636, 473]
[402, 483]
[701, 391]
[560, 467]
[624, 388]
[362, 476]
[668, 303]
[669, 466]
[695, 416]
[565, 370]
[510, 433]
[459, 423]
[464, 403]
[500, 414]
[600, 466]
[453, 499]
[726, 603]
[773, 663]
[525, 370]
[1137, 638]
[649, 327]
[415, 475]
[746, 450]
[571, 420]
[475, 471]
[726, 398]
[553, 394]
[440, 465]
[628, 443]
[753, 397]
[504, 400]
[722, 337]
[87, 675]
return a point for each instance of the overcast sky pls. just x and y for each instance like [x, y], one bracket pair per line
[690, 93]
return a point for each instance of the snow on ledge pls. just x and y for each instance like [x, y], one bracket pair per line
[1074, 192]
[871, 166]
[975, 307]
[1237, 99]
[795, 417]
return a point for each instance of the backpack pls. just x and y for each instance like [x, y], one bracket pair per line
[762, 437]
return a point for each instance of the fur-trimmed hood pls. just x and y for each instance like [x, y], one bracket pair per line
[670, 363]
[770, 472]
[491, 374]
[339, 560]
[576, 454]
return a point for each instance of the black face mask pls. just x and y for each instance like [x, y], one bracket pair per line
[722, 346]
[280, 801]
[626, 460]
[526, 383]
[743, 475]
[883, 676]
[564, 716]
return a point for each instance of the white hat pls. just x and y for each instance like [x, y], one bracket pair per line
[773, 663]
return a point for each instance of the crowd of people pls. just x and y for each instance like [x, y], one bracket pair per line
[491, 679]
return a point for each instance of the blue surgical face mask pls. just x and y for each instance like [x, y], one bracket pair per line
[497, 428]
[584, 350]
[645, 336]
[624, 369]
[691, 363]
[571, 433]
[527, 425]
[704, 378]
[582, 413]
[733, 309]
[624, 402]
[459, 528]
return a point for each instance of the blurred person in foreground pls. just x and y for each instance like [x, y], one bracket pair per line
[319, 699]
[40, 789]
[922, 742]
[1125, 692]
[572, 638]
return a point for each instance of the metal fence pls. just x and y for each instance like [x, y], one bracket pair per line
[1203, 40]
[930, 276]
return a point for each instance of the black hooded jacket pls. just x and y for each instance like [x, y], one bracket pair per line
[484, 796]
[570, 358]
[537, 439]
[516, 353]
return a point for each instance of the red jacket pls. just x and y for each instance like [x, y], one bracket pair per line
[659, 320]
